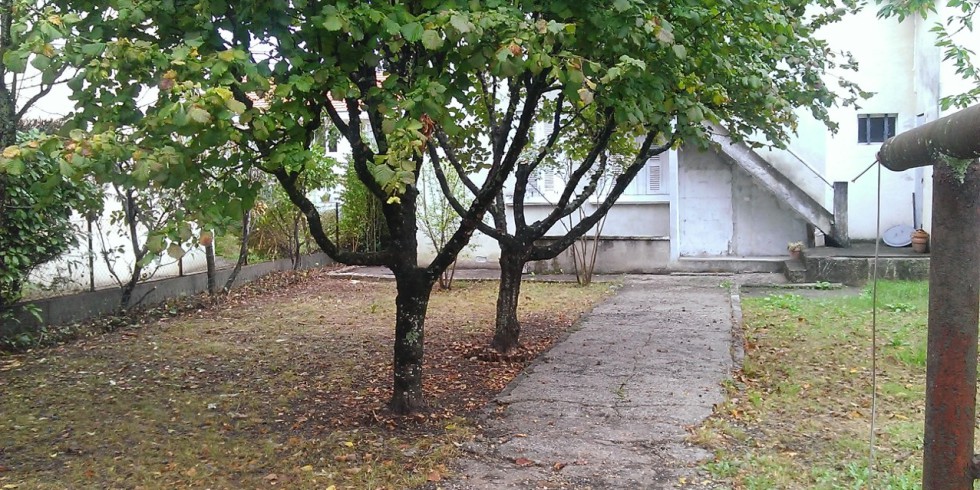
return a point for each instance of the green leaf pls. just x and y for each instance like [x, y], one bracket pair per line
[15, 167]
[15, 61]
[235, 106]
[333, 23]
[41, 62]
[412, 32]
[680, 51]
[199, 114]
[431, 40]
[621, 5]
[461, 24]
[175, 251]
[154, 243]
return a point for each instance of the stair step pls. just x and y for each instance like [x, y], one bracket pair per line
[795, 271]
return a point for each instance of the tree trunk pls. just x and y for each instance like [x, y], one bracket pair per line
[411, 303]
[507, 333]
[242, 251]
[212, 279]
[294, 242]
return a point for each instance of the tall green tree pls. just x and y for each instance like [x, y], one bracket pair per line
[205, 90]
[747, 65]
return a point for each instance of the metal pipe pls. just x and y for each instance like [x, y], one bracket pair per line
[956, 135]
[807, 165]
[951, 365]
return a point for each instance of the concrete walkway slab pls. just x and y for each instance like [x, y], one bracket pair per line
[609, 407]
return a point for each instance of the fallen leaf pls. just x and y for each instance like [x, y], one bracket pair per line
[523, 462]
[191, 473]
[434, 476]
[271, 476]
[307, 468]
[558, 466]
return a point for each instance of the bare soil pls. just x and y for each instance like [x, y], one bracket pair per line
[282, 384]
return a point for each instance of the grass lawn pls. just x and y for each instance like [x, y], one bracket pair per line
[281, 385]
[798, 414]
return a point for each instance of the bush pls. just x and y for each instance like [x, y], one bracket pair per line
[362, 225]
[36, 205]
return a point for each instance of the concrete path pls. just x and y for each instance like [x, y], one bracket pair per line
[608, 407]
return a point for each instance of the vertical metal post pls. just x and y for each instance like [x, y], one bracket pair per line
[336, 224]
[951, 365]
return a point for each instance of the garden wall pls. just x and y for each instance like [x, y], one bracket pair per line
[81, 306]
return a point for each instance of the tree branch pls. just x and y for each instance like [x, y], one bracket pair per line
[647, 150]
[448, 194]
[288, 183]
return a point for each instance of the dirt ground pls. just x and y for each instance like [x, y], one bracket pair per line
[283, 384]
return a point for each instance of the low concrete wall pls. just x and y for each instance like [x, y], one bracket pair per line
[617, 255]
[81, 306]
[857, 271]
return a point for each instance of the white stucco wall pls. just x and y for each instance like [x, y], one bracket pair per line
[724, 212]
[886, 51]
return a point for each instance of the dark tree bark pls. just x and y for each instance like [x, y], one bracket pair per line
[507, 333]
[414, 288]
[8, 127]
[242, 251]
[138, 252]
[212, 280]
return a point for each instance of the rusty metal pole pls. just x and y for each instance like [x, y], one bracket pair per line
[954, 292]
[951, 367]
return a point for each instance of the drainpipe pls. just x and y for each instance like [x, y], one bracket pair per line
[954, 289]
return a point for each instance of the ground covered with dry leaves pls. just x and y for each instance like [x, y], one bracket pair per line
[281, 385]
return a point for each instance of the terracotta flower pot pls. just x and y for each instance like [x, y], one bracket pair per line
[920, 241]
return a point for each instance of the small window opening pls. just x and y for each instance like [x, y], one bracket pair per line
[875, 128]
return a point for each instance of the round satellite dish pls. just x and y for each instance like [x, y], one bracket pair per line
[898, 236]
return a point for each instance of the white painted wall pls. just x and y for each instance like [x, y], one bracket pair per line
[724, 212]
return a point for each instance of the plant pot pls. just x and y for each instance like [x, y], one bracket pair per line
[795, 254]
[920, 241]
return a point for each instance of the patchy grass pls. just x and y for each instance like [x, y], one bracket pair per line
[281, 385]
[798, 414]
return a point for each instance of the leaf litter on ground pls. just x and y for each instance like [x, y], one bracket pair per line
[283, 383]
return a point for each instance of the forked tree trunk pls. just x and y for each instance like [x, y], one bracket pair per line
[507, 333]
[414, 288]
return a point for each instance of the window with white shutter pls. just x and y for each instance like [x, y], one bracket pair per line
[654, 177]
[648, 181]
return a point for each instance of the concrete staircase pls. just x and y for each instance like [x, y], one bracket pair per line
[832, 223]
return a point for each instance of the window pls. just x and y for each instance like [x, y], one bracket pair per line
[875, 128]
[649, 180]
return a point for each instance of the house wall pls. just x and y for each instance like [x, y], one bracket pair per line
[723, 212]
[886, 53]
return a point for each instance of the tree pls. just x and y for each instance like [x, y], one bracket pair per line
[407, 73]
[747, 65]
